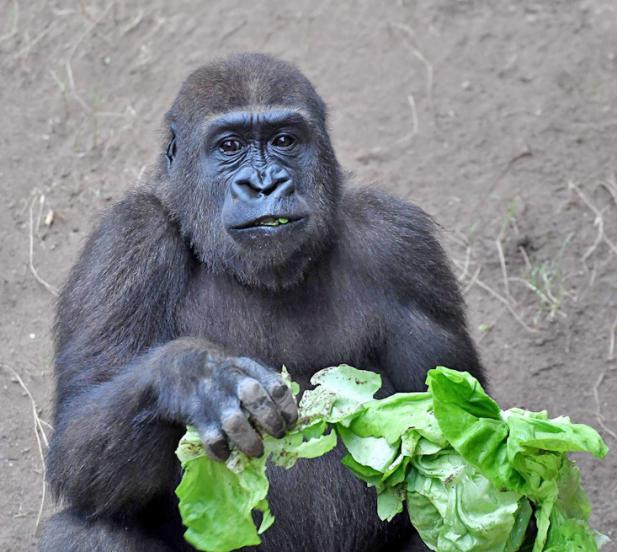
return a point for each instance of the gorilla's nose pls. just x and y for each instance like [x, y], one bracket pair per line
[250, 183]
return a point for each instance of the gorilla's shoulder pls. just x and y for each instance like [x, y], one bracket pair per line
[387, 223]
[139, 211]
[136, 230]
[396, 243]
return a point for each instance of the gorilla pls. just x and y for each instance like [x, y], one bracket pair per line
[246, 249]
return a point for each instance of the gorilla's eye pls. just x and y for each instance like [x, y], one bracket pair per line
[229, 146]
[283, 141]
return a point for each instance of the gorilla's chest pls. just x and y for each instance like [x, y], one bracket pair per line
[306, 328]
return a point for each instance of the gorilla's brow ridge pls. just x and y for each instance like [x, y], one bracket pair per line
[278, 115]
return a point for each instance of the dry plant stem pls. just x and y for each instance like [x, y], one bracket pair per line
[525, 258]
[611, 340]
[89, 30]
[504, 270]
[476, 281]
[39, 433]
[503, 300]
[598, 222]
[33, 270]
[599, 416]
[133, 24]
[39, 215]
[463, 274]
[25, 51]
[428, 66]
[611, 188]
[414, 114]
[74, 93]
[472, 281]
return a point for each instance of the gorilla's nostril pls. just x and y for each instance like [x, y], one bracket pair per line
[250, 183]
[285, 188]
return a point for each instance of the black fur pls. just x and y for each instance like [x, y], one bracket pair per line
[171, 317]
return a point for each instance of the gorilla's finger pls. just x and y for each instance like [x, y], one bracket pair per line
[283, 397]
[215, 443]
[258, 403]
[240, 431]
[276, 388]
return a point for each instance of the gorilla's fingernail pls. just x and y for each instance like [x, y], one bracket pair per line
[290, 417]
[279, 391]
[220, 449]
[256, 450]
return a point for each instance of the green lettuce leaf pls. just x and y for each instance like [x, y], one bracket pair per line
[471, 475]
[340, 394]
[455, 508]
[210, 492]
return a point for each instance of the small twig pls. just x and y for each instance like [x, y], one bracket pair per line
[476, 281]
[414, 114]
[49, 426]
[611, 188]
[598, 222]
[91, 28]
[525, 153]
[39, 215]
[427, 65]
[599, 416]
[504, 270]
[472, 281]
[133, 24]
[525, 257]
[463, 274]
[26, 49]
[39, 433]
[503, 300]
[33, 270]
[611, 340]
[71, 81]
[225, 36]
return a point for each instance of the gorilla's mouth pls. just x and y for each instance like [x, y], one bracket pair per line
[268, 221]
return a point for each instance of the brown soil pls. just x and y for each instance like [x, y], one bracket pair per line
[513, 143]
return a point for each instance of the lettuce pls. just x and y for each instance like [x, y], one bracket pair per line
[470, 475]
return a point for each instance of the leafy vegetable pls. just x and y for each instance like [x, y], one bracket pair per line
[471, 475]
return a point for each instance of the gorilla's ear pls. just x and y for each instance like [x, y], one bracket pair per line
[170, 153]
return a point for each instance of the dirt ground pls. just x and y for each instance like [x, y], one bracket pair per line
[497, 117]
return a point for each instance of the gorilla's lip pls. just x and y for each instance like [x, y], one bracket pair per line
[269, 222]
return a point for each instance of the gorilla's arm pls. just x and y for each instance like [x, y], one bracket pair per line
[415, 343]
[119, 300]
[126, 386]
[423, 320]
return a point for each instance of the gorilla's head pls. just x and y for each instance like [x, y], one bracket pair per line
[248, 170]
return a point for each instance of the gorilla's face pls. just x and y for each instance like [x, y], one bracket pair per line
[253, 182]
[261, 162]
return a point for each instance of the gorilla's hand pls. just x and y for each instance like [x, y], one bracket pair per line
[225, 399]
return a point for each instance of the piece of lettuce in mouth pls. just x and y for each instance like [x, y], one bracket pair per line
[471, 475]
[273, 221]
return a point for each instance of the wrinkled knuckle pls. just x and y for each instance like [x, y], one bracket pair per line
[250, 390]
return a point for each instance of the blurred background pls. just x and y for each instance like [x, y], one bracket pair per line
[498, 118]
